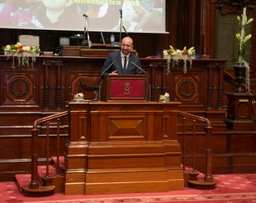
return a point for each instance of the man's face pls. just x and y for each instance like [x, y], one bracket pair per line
[126, 46]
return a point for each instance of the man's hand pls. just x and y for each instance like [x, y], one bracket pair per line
[114, 73]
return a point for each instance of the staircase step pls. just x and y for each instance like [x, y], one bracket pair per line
[41, 170]
[61, 161]
[53, 178]
[23, 180]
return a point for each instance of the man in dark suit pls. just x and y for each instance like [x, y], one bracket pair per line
[122, 62]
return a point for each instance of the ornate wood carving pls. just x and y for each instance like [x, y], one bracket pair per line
[19, 87]
[88, 87]
[187, 88]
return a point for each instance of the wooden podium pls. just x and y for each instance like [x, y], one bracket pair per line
[125, 144]
[122, 147]
[127, 88]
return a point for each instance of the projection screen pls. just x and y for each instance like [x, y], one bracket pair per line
[133, 16]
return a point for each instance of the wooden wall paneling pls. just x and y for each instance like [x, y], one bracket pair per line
[16, 154]
[19, 87]
[185, 24]
[52, 85]
[79, 130]
[210, 87]
[220, 87]
[197, 39]
[46, 86]
[171, 23]
[83, 75]
[157, 77]
[210, 27]
[58, 88]
[189, 87]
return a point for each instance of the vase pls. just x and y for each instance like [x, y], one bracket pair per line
[240, 74]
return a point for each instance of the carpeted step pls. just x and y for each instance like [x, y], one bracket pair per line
[61, 161]
[41, 170]
[53, 178]
[23, 180]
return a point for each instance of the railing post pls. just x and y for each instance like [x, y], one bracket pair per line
[34, 183]
[58, 147]
[183, 144]
[208, 177]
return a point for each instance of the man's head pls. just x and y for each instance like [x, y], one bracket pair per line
[127, 45]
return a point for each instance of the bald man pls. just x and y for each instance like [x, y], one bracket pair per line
[122, 62]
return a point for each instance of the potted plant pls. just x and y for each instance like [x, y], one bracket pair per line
[242, 68]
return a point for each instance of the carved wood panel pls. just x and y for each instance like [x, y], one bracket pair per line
[84, 83]
[187, 88]
[20, 88]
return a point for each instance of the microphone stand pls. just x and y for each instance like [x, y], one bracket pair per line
[121, 25]
[86, 30]
[100, 91]
[106, 69]
[88, 36]
[84, 36]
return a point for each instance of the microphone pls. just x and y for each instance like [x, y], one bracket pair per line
[85, 15]
[121, 13]
[126, 31]
[140, 68]
[107, 69]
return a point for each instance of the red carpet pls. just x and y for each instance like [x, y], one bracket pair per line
[232, 188]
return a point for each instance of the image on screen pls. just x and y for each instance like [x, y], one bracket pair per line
[74, 15]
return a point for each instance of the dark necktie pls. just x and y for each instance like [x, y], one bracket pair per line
[125, 62]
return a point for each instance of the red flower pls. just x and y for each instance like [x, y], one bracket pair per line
[20, 48]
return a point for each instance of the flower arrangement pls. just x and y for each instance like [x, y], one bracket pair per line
[176, 54]
[22, 53]
[164, 98]
[242, 39]
[79, 97]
